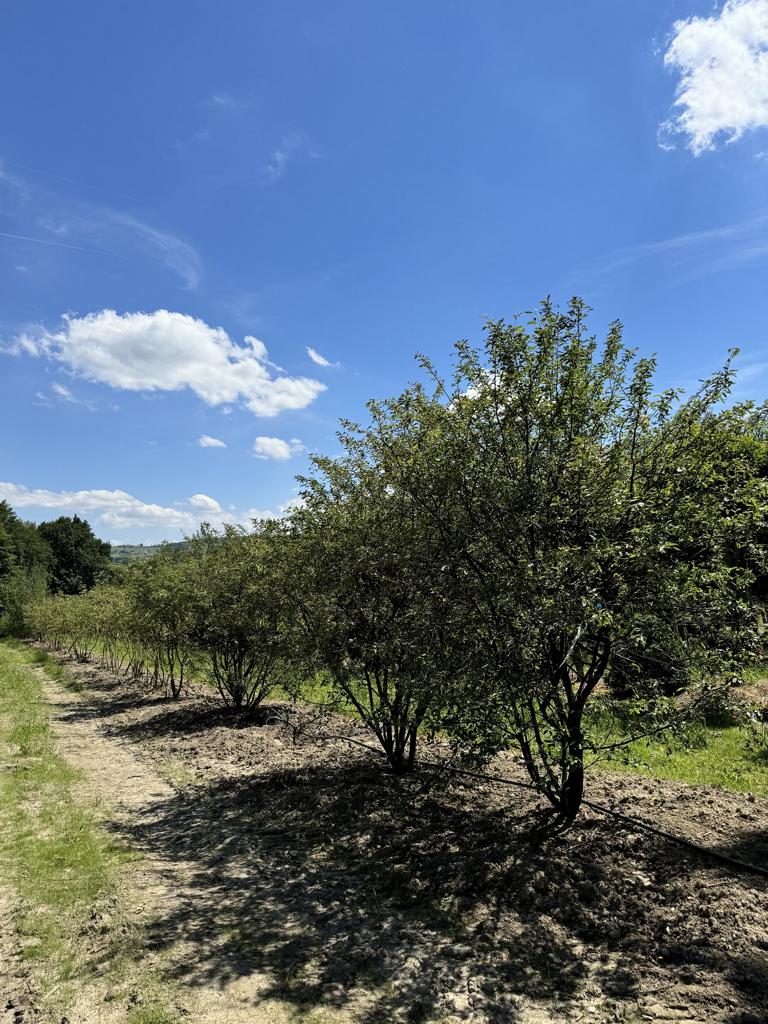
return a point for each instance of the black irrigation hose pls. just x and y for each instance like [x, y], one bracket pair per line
[723, 858]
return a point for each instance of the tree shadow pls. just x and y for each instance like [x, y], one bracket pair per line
[190, 717]
[327, 881]
[341, 885]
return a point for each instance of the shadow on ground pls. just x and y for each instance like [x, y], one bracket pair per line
[329, 882]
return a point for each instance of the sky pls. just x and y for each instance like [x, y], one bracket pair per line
[224, 226]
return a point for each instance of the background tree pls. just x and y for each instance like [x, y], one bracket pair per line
[78, 557]
[24, 561]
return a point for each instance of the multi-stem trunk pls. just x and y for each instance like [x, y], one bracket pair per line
[571, 790]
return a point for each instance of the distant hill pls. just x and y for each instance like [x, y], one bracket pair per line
[125, 553]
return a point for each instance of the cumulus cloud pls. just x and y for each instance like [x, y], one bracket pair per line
[204, 503]
[315, 356]
[277, 448]
[165, 351]
[723, 66]
[118, 510]
[210, 442]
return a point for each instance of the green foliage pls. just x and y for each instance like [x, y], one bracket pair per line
[240, 612]
[587, 526]
[51, 850]
[374, 613]
[756, 739]
[24, 561]
[78, 557]
[158, 609]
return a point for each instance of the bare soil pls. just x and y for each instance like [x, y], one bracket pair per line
[283, 875]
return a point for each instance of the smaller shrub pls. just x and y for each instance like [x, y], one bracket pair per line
[716, 705]
[756, 739]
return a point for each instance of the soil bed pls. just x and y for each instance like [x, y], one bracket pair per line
[305, 873]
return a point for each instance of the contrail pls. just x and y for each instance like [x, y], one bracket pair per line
[64, 245]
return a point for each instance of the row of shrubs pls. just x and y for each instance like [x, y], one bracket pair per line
[534, 548]
[207, 613]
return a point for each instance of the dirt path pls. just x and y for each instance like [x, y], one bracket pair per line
[284, 881]
[15, 993]
[132, 798]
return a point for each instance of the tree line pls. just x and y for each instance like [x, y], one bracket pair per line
[62, 556]
[536, 553]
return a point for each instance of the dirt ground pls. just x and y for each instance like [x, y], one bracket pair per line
[282, 876]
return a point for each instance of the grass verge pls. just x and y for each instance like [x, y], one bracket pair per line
[721, 757]
[53, 853]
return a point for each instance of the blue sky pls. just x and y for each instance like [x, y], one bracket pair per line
[194, 195]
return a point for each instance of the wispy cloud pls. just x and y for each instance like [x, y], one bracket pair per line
[51, 219]
[315, 356]
[210, 442]
[693, 254]
[61, 393]
[722, 62]
[14, 183]
[289, 147]
[178, 255]
[233, 104]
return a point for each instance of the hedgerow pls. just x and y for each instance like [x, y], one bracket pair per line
[498, 559]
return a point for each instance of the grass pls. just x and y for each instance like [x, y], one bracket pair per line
[152, 1015]
[54, 854]
[51, 851]
[720, 757]
[54, 669]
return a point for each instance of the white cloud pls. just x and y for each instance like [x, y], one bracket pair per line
[118, 510]
[277, 448]
[315, 356]
[178, 255]
[114, 508]
[61, 393]
[203, 503]
[723, 67]
[691, 255]
[210, 442]
[227, 101]
[165, 351]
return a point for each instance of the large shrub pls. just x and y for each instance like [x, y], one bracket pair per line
[586, 524]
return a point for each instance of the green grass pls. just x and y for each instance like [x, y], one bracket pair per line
[54, 669]
[152, 1015]
[56, 857]
[756, 672]
[721, 757]
[52, 852]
